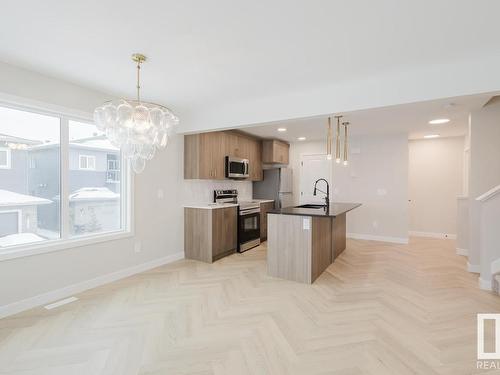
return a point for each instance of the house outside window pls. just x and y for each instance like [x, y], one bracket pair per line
[5, 158]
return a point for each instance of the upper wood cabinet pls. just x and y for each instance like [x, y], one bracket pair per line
[204, 154]
[275, 152]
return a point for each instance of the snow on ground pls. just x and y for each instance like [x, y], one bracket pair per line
[93, 194]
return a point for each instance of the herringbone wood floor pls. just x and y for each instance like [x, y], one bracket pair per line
[379, 309]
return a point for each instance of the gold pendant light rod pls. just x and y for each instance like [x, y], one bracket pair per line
[139, 59]
[345, 124]
[329, 140]
[337, 140]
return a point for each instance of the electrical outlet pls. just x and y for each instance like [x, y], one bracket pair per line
[375, 223]
[160, 194]
[137, 247]
[306, 224]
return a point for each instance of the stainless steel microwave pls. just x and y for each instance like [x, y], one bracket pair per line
[236, 167]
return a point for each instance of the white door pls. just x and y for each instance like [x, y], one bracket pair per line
[312, 168]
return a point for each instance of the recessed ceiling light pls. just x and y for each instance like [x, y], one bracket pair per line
[282, 129]
[431, 136]
[439, 121]
[301, 138]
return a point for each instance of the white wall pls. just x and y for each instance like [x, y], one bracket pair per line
[435, 179]
[158, 222]
[484, 171]
[377, 177]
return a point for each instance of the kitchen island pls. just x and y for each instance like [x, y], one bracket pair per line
[303, 241]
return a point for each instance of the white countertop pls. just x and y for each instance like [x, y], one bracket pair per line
[213, 206]
[210, 206]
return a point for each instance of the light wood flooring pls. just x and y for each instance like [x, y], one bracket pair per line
[379, 309]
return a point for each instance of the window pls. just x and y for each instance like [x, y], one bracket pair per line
[87, 162]
[5, 155]
[94, 203]
[29, 197]
[47, 194]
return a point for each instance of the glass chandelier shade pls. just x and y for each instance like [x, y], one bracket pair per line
[138, 128]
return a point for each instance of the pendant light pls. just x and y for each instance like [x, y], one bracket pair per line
[345, 124]
[329, 140]
[137, 127]
[337, 140]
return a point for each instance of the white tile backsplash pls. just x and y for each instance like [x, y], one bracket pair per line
[202, 191]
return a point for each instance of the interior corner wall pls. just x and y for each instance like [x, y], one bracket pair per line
[158, 221]
[377, 177]
[435, 180]
[484, 171]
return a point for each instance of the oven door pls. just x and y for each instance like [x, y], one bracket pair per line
[236, 167]
[248, 228]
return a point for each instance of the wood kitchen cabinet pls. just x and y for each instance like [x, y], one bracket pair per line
[275, 152]
[210, 234]
[265, 207]
[204, 154]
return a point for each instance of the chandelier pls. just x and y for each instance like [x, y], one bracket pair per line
[138, 128]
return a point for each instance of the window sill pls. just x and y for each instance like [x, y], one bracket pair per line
[58, 245]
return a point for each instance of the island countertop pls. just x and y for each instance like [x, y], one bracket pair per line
[335, 209]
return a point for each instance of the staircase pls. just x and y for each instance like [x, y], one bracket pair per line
[489, 239]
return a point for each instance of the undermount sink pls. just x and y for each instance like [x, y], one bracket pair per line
[311, 206]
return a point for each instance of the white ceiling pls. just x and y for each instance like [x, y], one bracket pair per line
[411, 119]
[204, 53]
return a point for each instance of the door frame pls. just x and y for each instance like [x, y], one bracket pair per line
[329, 177]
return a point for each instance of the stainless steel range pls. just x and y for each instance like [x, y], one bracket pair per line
[248, 218]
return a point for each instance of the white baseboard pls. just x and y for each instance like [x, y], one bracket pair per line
[463, 252]
[45, 298]
[474, 268]
[370, 237]
[485, 284]
[433, 235]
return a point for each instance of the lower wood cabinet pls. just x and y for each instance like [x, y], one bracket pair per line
[210, 234]
[265, 207]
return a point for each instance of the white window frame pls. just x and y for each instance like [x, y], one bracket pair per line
[19, 218]
[8, 159]
[65, 242]
[87, 158]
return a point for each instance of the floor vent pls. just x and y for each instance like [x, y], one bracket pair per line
[60, 303]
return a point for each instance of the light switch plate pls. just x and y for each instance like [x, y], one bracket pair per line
[160, 194]
[306, 223]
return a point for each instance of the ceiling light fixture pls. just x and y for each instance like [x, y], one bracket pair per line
[337, 140]
[135, 126]
[439, 121]
[346, 124]
[429, 136]
[301, 138]
[329, 139]
[282, 129]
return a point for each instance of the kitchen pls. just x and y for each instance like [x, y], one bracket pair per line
[280, 176]
[231, 223]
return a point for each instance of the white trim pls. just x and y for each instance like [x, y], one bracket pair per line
[55, 295]
[126, 196]
[370, 237]
[49, 246]
[447, 236]
[485, 284]
[474, 268]
[8, 158]
[87, 159]
[489, 194]
[463, 252]
[37, 106]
